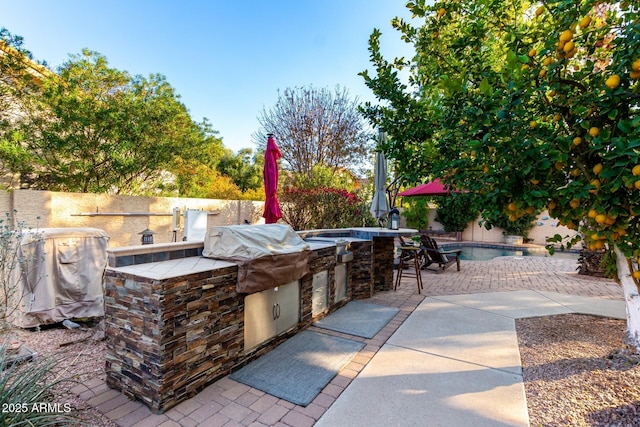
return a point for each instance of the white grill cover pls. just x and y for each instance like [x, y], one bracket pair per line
[62, 277]
[267, 255]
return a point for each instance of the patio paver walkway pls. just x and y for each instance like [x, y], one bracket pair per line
[229, 403]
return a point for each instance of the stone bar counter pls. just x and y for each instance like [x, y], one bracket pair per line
[175, 322]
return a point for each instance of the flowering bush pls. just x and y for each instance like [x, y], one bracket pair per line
[323, 207]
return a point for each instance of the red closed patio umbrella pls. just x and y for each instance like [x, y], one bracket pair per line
[270, 172]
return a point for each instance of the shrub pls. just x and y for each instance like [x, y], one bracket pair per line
[323, 207]
[25, 388]
[416, 212]
[456, 211]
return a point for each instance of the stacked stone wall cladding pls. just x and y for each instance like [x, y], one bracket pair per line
[360, 271]
[169, 339]
[383, 249]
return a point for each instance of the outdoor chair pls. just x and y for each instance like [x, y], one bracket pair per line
[435, 255]
[409, 254]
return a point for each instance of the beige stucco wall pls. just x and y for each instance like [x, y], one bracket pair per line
[545, 227]
[55, 209]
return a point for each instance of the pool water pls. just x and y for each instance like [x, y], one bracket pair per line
[474, 253]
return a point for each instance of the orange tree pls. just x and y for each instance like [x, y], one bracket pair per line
[529, 105]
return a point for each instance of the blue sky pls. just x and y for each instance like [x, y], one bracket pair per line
[227, 59]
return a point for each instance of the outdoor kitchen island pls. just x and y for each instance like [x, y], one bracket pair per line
[175, 321]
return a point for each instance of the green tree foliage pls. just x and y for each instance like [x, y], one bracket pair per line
[530, 105]
[507, 88]
[456, 211]
[416, 212]
[244, 168]
[323, 177]
[93, 128]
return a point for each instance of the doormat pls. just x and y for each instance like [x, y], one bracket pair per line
[299, 368]
[358, 318]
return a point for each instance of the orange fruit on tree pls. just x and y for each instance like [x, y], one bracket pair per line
[636, 275]
[594, 131]
[540, 11]
[613, 81]
[637, 185]
[557, 117]
[566, 35]
[542, 73]
[575, 172]
[636, 65]
[584, 22]
[601, 218]
[634, 75]
[574, 203]
[535, 181]
[547, 61]
[597, 168]
[577, 141]
[592, 213]
[552, 205]
[569, 46]
[532, 53]
[512, 206]
[636, 170]
[533, 124]
[596, 184]
[441, 12]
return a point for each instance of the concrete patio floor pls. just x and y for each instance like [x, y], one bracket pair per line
[446, 358]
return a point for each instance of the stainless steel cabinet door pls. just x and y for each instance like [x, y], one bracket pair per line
[259, 318]
[288, 306]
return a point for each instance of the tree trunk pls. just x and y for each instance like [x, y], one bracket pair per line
[632, 298]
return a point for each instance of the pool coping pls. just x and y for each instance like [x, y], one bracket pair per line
[494, 245]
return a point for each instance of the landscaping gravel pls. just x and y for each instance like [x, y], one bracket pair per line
[577, 372]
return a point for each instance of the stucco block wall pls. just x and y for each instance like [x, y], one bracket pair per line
[544, 227]
[122, 217]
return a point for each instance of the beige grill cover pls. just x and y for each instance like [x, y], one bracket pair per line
[63, 275]
[267, 255]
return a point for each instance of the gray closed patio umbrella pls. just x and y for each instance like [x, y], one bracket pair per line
[380, 205]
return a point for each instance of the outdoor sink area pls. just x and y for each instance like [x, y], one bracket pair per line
[178, 321]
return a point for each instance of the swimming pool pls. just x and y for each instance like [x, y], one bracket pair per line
[481, 253]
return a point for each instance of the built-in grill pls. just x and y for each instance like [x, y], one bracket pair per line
[268, 255]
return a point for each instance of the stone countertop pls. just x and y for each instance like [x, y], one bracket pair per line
[370, 232]
[163, 270]
[317, 245]
[365, 233]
